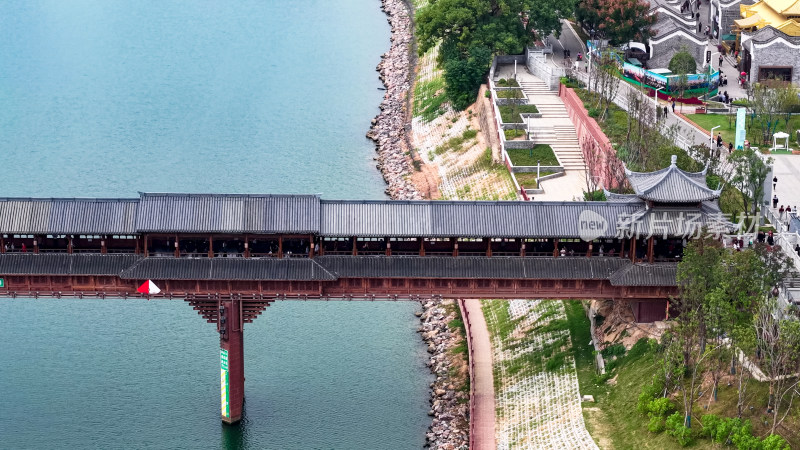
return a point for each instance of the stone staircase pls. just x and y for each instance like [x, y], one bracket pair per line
[554, 127]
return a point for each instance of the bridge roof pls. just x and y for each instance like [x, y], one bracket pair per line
[307, 214]
[473, 267]
[463, 218]
[227, 269]
[227, 213]
[54, 264]
[620, 272]
[67, 216]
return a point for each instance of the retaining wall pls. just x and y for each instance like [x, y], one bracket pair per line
[588, 130]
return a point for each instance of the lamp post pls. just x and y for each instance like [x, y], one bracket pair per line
[655, 99]
[589, 58]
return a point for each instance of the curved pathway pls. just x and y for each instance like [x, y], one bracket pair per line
[483, 382]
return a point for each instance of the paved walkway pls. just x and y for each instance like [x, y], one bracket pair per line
[484, 379]
[555, 129]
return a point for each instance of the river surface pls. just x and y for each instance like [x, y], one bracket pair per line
[105, 98]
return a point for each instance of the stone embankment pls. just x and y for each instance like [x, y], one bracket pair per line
[449, 407]
[449, 404]
[389, 127]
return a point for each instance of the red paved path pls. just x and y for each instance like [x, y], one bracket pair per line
[483, 384]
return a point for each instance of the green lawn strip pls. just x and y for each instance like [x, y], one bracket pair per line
[528, 179]
[727, 126]
[541, 153]
[508, 114]
[514, 133]
[510, 82]
[510, 93]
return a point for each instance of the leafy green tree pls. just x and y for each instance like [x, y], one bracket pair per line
[748, 175]
[617, 20]
[471, 31]
[683, 62]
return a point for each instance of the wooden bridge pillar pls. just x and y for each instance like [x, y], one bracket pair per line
[231, 344]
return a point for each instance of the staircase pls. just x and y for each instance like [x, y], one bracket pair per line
[554, 127]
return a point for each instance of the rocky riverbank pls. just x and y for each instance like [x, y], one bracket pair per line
[449, 428]
[389, 127]
[449, 400]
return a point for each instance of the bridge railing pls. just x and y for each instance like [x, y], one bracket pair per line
[468, 328]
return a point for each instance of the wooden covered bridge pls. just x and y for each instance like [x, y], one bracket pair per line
[229, 256]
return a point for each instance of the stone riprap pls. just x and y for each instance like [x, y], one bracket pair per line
[449, 429]
[389, 127]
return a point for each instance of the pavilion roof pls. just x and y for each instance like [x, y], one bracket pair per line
[672, 185]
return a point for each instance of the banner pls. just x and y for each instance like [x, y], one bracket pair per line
[741, 132]
[224, 383]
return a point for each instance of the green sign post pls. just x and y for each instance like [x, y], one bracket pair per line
[225, 397]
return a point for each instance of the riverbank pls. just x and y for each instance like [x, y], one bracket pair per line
[449, 427]
[389, 126]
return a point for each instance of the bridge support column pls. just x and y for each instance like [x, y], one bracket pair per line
[231, 344]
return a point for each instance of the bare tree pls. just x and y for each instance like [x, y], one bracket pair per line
[779, 347]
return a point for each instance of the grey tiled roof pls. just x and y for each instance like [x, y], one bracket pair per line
[472, 267]
[613, 197]
[226, 269]
[769, 34]
[76, 264]
[222, 213]
[671, 185]
[329, 268]
[645, 275]
[462, 219]
[68, 216]
[677, 221]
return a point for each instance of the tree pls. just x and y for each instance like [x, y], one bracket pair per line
[682, 62]
[471, 31]
[748, 173]
[766, 102]
[779, 345]
[617, 20]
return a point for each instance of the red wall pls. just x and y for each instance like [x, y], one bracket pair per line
[588, 130]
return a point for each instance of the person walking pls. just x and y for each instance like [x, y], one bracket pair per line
[673, 104]
[719, 140]
[719, 67]
[774, 183]
[699, 26]
[666, 111]
[775, 201]
[730, 147]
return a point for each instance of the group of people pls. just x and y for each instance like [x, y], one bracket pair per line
[12, 248]
[768, 237]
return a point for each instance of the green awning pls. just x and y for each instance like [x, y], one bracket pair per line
[728, 37]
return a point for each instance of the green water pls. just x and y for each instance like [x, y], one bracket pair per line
[107, 98]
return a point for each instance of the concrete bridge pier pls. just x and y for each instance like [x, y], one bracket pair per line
[231, 344]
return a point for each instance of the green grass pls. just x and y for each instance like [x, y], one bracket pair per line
[429, 98]
[502, 82]
[511, 134]
[510, 93]
[613, 420]
[528, 179]
[542, 153]
[456, 143]
[728, 128]
[508, 115]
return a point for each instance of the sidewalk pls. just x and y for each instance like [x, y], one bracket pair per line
[484, 419]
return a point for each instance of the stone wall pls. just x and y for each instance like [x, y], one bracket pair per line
[664, 51]
[777, 54]
[485, 113]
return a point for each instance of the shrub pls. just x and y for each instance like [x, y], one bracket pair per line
[594, 113]
[683, 62]
[676, 428]
[613, 350]
[641, 347]
[774, 442]
[649, 393]
[657, 410]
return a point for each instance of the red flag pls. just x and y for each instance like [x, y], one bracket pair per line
[149, 288]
